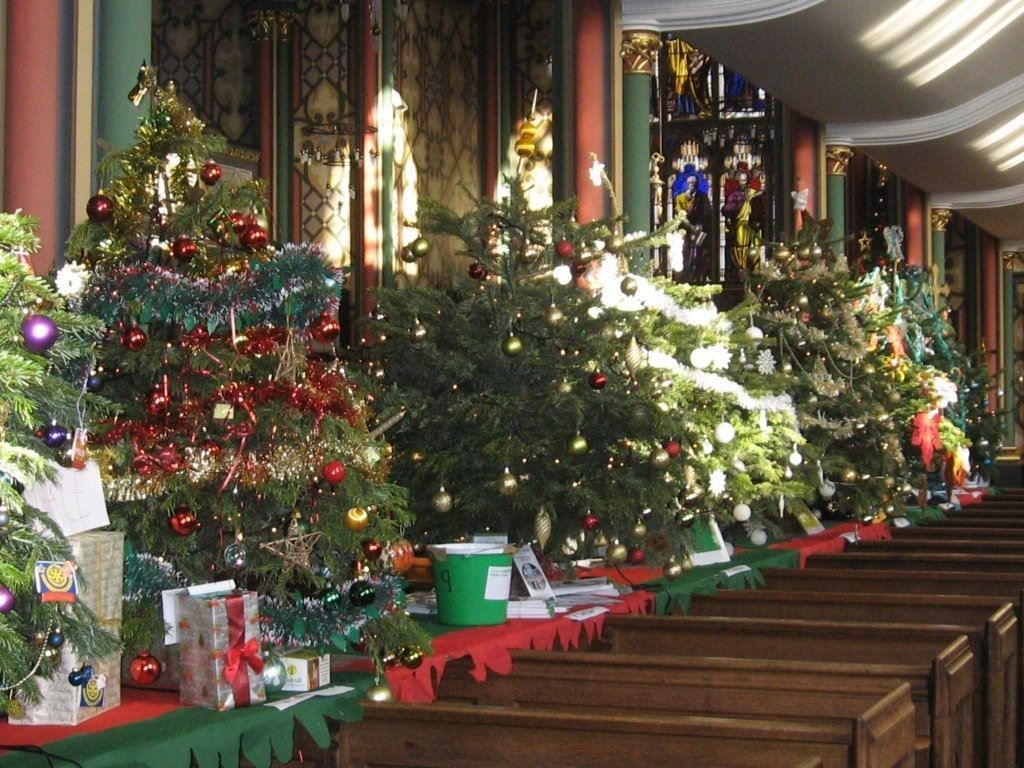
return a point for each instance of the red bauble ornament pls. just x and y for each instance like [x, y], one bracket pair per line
[99, 209]
[672, 448]
[636, 556]
[590, 522]
[325, 328]
[184, 521]
[197, 338]
[334, 472]
[578, 268]
[372, 549]
[184, 248]
[477, 271]
[212, 447]
[134, 338]
[401, 554]
[210, 173]
[145, 668]
[238, 221]
[564, 249]
[254, 237]
[598, 380]
[157, 402]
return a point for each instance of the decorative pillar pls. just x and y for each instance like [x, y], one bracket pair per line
[990, 311]
[123, 43]
[913, 225]
[37, 120]
[261, 25]
[940, 220]
[284, 154]
[837, 165]
[804, 138]
[386, 115]
[367, 278]
[639, 55]
[590, 110]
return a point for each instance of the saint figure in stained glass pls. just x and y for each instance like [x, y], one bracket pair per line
[690, 195]
[691, 83]
[744, 215]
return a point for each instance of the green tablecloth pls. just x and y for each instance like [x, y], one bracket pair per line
[212, 738]
[674, 596]
[923, 516]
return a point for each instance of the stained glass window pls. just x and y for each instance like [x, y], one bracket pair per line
[714, 129]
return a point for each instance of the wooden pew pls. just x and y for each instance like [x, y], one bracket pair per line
[943, 655]
[921, 561]
[996, 645]
[467, 736]
[986, 533]
[991, 546]
[881, 715]
[991, 521]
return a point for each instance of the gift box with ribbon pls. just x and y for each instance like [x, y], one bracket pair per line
[219, 643]
[94, 686]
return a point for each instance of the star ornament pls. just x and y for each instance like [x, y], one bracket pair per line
[864, 242]
[596, 172]
[295, 551]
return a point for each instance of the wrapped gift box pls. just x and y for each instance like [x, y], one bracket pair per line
[99, 556]
[219, 644]
[306, 670]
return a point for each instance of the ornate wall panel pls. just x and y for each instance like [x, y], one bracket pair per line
[204, 46]
[437, 88]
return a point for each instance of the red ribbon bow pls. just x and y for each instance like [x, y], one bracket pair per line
[248, 653]
[926, 435]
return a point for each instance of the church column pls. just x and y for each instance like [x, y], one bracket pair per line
[990, 310]
[37, 120]
[261, 25]
[591, 97]
[913, 217]
[123, 43]
[837, 164]
[639, 55]
[940, 220]
[283, 126]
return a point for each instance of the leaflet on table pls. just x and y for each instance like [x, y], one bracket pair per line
[596, 585]
[170, 603]
[529, 575]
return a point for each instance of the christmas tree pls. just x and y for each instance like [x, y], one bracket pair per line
[45, 353]
[542, 405]
[237, 454]
[855, 397]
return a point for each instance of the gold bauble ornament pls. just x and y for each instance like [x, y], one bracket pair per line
[849, 476]
[553, 316]
[616, 244]
[787, 368]
[802, 301]
[600, 540]
[753, 256]
[629, 285]
[418, 332]
[894, 397]
[660, 458]
[441, 501]
[410, 656]
[564, 387]
[578, 445]
[381, 692]
[419, 247]
[868, 368]
[512, 345]
[816, 252]
[674, 568]
[782, 254]
[417, 456]
[507, 483]
[639, 530]
[356, 519]
[616, 553]
[636, 357]
[805, 252]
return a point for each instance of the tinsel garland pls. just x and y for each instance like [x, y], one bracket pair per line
[146, 576]
[292, 287]
[329, 619]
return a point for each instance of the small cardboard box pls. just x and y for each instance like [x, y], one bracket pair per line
[307, 670]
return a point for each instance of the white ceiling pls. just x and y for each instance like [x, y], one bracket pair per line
[809, 54]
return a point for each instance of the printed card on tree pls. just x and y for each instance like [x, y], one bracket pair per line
[709, 546]
[74, 500]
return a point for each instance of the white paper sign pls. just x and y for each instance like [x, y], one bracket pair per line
[736, 570]
[587, 613]
[901, 522]
[853, 537]
[170, 604]
[74, 500]
[499, 581]
[291, 701]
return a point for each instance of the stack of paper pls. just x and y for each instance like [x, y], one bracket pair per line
[532, 608]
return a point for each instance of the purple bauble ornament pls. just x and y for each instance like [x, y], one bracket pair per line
[39, 332]
[6, 599]
[55, 436]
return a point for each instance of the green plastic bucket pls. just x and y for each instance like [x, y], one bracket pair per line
[472, 583]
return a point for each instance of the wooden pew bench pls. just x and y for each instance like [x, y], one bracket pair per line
[989, 623]
[917, 653]
[880, 715]
[921, 561]
[986, 533]
[948, 543]
[469, 736]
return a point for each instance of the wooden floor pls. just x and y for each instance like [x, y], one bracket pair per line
[894, 654]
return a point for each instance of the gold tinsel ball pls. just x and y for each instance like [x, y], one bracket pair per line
[660, 458]
[381, 692]
[507, 483]
[441, 501]
[553, 316]
[356, 519]
[418, 332]
[616, 553]
[629, 285]
[578, 445]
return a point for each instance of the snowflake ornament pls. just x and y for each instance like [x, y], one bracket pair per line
[70, 280]
[765, 362]
[716, 482]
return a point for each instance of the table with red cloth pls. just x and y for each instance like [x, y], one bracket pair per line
[833, 541]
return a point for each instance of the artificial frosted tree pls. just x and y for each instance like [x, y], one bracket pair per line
[536, 404]
[45, 354]
[237, 453]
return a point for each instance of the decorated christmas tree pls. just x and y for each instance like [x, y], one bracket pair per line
[543, 395]
[237, 454]
[45, 353]
[823, 330]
